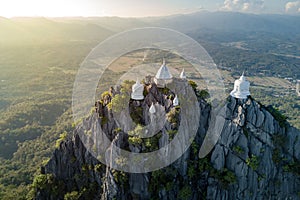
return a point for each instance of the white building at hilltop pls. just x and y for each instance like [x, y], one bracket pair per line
[298, 88]
[163, 75]
[182, 74]
[241, 88]
[175, 101]
[137, 91]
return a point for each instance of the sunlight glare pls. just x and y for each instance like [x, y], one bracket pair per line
[48, 8]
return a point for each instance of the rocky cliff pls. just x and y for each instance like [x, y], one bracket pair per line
[256, 157]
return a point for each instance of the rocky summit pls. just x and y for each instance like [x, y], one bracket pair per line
[257, 155]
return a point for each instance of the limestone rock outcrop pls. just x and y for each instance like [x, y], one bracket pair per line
[256, 157]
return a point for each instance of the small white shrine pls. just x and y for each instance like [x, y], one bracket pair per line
[241, 88]
[137, 91]
[182, 74]
[162, 75]
[298, 88]
[175, 101]
[152, 109]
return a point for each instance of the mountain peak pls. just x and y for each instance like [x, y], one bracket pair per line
[256, 149]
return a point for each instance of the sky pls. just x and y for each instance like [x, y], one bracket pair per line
[141, 8]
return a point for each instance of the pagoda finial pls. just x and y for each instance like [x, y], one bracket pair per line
[164, 61]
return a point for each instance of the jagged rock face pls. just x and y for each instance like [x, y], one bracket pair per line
[247, 146]
[249, 160]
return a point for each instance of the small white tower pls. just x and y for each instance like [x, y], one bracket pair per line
[175, 101]
[152, 109]
[298, 88]
[162, 75]
[182, 74]
[137, 91]
[241, 88]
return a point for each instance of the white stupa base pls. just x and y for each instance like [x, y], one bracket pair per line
[240, 95]
[137, 97]
[161, 83]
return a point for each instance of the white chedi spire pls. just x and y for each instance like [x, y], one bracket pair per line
[175, 101]
[182, 74]
[241, 88]
[162, 75]
[137, 91]
[152, 109]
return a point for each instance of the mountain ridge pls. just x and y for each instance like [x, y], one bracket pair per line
[225, 21]
[255, 150]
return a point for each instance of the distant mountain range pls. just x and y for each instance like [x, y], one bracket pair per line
[24, 31]
[31, 29]
[255, 42]
[231, 22]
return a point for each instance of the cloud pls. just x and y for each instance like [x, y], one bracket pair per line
[243, 5]
[292, 7]
[190, 10]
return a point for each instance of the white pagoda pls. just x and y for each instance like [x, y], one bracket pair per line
[162, 76]
[182, 74]
[137, 91]
[241, 88]
[152, 109]
[175, 101]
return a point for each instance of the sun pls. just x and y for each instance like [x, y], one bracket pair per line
[47, 8]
